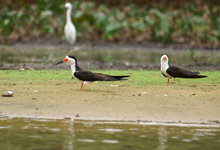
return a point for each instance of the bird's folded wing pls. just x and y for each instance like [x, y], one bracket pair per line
[85, 75]
[177, 72]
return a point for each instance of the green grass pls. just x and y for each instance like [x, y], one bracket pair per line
[137, 78]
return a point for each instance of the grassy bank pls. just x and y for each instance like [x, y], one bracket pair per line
[141, 78]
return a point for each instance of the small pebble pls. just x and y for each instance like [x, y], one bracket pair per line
[114, 85]
[7, 94]
[194, 95]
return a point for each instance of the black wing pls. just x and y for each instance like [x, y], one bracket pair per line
[110, 77]
[85, 75]
[182, 73]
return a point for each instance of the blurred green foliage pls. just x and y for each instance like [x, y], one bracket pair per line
[197, 26]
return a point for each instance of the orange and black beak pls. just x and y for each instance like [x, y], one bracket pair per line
[62, 61]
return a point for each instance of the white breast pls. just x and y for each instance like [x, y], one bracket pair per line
[164, 68]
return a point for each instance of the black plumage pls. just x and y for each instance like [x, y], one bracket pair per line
[85, 75]
[177, 72]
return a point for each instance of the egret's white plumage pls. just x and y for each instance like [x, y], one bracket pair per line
[69, 29]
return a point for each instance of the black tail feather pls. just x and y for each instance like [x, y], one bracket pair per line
[193, 73]
[194, 77]
[115, 78]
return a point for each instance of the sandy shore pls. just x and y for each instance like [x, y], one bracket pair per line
[100, 101]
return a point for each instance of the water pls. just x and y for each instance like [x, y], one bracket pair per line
[38, 54]
[29, 134]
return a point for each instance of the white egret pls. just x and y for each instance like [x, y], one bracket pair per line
[69, 29]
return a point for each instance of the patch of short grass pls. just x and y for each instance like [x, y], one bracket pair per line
[137, 77]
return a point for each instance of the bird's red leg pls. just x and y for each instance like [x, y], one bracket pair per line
[174, 81]
[81, 87]
[168, 81]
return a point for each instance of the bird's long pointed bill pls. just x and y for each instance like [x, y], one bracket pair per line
[62, 61]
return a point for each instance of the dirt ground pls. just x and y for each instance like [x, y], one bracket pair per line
[101, 101]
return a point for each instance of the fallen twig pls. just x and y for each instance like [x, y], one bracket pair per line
[30, 68]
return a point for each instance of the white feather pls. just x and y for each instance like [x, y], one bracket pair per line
[69, 29]
[164, 66]
[72, 63]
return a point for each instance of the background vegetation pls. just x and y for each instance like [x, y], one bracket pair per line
[196, 23]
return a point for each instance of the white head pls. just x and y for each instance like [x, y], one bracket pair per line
[68, 6]
[164, 63]
[70, 59]
[164, 59]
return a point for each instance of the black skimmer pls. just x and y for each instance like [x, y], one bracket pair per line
[176, 72]
[87, 76]
[69, 29]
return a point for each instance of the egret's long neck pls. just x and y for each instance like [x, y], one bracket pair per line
[68, 15]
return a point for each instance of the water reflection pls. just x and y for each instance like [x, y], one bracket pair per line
[21, 133]
[162, 138]
[16, 54]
